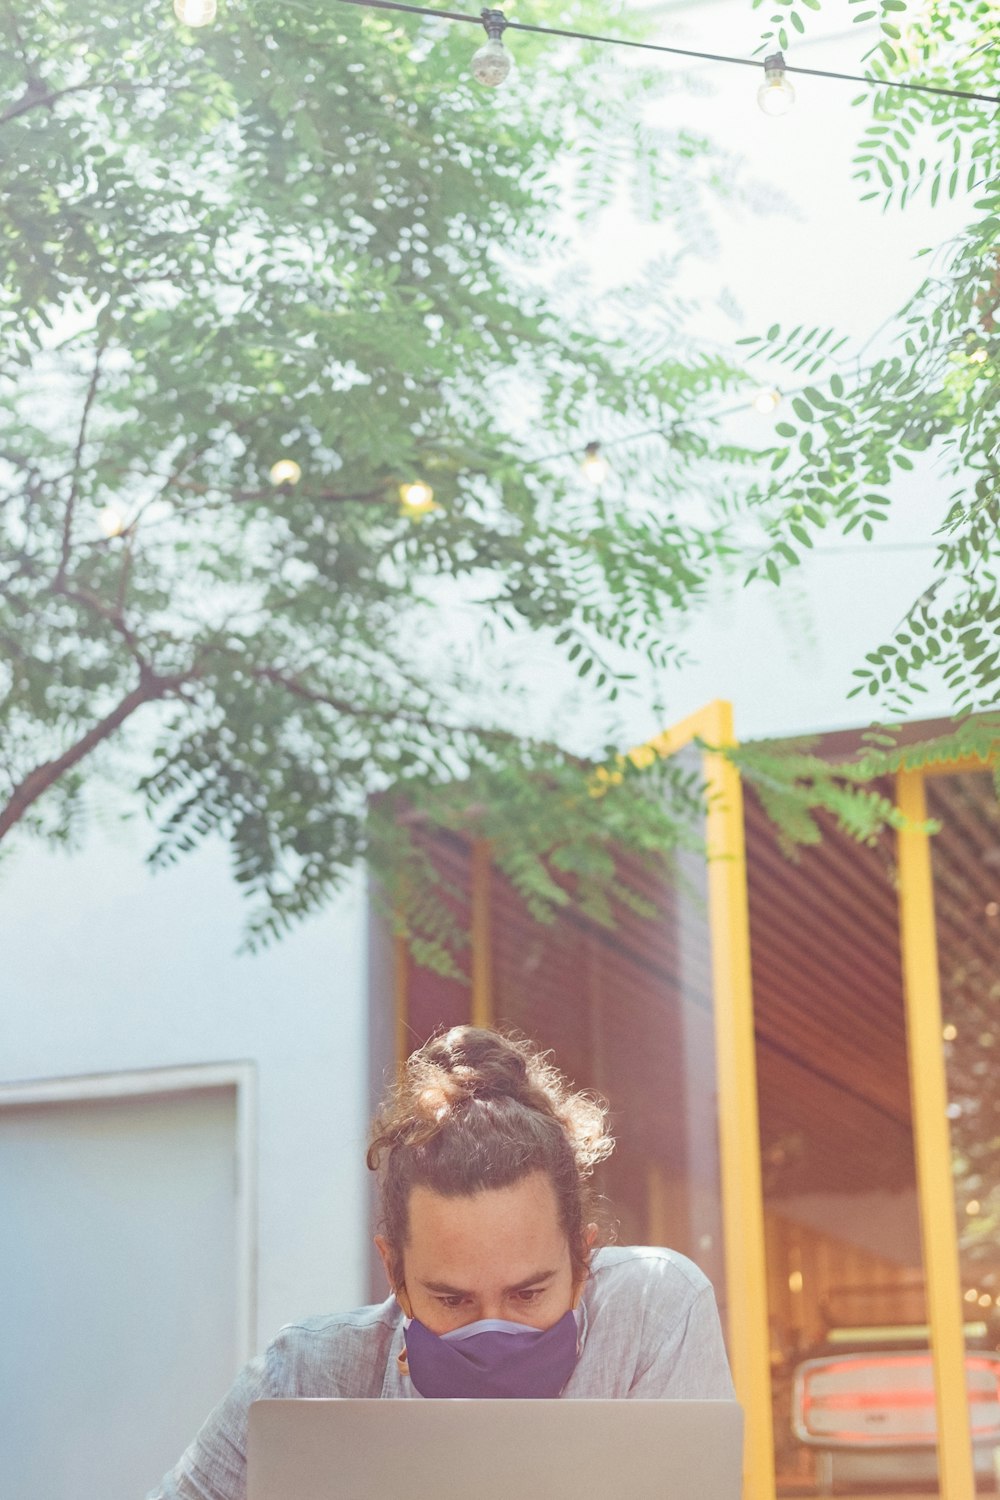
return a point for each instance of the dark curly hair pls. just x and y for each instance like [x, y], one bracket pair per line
[475, 1109]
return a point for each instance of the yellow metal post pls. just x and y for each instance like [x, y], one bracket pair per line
[929, 1099]
[482, 935]
[736, 1075]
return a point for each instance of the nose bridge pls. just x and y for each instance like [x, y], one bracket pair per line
[491, 1305]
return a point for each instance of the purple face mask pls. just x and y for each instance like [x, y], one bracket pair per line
[492, 1359]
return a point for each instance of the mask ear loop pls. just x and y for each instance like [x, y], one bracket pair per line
[585, 1273]
[402, 1297]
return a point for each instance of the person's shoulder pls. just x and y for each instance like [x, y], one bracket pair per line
[359, 1320]
[645, 1268]
[336, 1353]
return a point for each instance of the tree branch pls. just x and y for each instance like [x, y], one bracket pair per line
[34, 98]
[38, 781]
[67, 536]
[382, 492]
[113, 615]
[294, 685]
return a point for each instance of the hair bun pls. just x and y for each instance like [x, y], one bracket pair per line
[481, 1063]
[436, 1083]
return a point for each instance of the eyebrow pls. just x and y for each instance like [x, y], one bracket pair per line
[443, 1289]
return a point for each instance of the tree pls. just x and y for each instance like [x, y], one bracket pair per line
[301, 236]
[304, 235]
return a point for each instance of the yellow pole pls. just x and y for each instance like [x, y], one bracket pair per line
[935, 1185]
[736, 1076]
[482, 940]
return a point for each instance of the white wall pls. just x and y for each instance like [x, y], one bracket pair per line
[107, 967]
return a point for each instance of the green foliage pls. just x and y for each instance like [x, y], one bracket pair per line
[794, 784]
[304, 232]
[934, 398]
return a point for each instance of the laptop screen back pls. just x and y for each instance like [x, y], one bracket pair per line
[494, 1450]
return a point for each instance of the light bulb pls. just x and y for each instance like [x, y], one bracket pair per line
[285, 471]
[765, 400]
[417, 498]
[491, 64]
[111, 521]
[195, 12]
[775, 95]
[594, 464]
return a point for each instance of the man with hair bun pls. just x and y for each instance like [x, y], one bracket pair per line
[498, 1288]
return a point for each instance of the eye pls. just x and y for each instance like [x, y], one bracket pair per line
[529, 1294]
[451, 1301]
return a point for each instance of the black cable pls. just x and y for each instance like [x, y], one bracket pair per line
[618, 41]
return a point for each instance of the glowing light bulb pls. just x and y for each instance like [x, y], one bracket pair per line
[972, 1207]
[111, 521]
[594, 464]
[195, 12]
[775, 95]
[986, 1300]
[979, 356]
[949, 1032]
[285, 471]
[765, 400]
[417, 498]
[972, 1295]
[492, 63]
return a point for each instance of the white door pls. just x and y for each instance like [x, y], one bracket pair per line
[118, 1261]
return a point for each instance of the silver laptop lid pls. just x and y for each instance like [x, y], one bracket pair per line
[310, 1449]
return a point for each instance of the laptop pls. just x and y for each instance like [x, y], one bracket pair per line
[319, 1449]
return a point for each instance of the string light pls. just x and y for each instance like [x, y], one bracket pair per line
[417, 498]
[492, 63]
[195, 12]
[285, 472]
[620, 41]
[111, 521]
[765, 400]
[594, 464]
[775, 95]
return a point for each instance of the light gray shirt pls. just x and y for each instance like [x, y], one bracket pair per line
[650, 1329]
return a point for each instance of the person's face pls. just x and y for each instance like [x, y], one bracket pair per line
[501, 1253]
